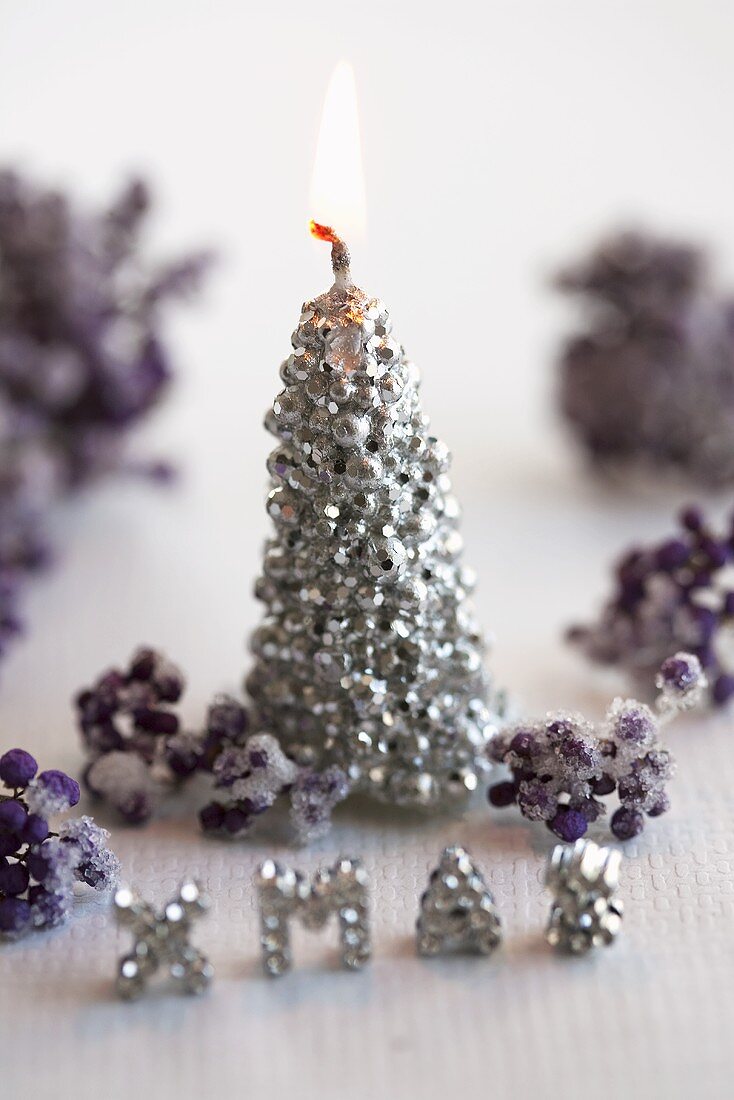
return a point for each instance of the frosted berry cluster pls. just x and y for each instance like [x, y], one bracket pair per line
[131, 730]
[674, 594]
[251, 773]
[38, 867]
[657, 338]
[563, 767]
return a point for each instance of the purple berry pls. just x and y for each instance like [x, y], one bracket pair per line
[10, 843]
[156, 721]
[502, 794]
[671, 555]
[13, 878]
[626, 823]
[13, 815]
[603, 786]
[183, 760]
[170, 687]
[524, 744]
[17, 768]
[692, 519]
[679, 673]
[568, 824]
[634, 726]
[661, 806]
[211, 817]
[136, 809]
[142, 665]
[236, 821]
[35, 829]
[60, 785]
[723, 689]
[15, 915]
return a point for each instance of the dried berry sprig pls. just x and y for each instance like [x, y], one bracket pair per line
[648, 382]
[563, 767]
[38, 868]
[674, 594]
[252, 773]
[82, 355]
[131, 730]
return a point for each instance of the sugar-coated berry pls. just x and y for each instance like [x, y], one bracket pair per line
[626, 823]
[17, 768]
[661, 806]
[129, 714]
[60, 785]
[673, 598]
[38, 871]
[604, 785]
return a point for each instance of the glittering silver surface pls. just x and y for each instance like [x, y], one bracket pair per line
[285, 895]
[369, 655]
[457, 911]
[161, 940]
[583, 878]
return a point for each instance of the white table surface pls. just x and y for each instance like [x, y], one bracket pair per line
[537, 125]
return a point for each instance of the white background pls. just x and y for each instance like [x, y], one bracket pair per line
[498, 139]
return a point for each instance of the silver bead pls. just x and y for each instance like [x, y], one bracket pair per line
[285, 894]
[585, 913]
[457, 911]
[161, 940]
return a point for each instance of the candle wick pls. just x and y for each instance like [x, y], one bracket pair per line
[340, 258]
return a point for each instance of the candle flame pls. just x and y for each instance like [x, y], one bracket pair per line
[337, 184]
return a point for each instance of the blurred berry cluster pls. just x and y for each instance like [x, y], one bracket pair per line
[131, 731]
[676, 594]
[38, 868]
[563, 767]
[138, 752]
[650, 379]
[81, 356]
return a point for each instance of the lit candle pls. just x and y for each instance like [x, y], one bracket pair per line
[369, 655]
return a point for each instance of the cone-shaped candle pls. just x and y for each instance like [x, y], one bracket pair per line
[369, 655]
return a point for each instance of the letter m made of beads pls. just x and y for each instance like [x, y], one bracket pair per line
[285, 895]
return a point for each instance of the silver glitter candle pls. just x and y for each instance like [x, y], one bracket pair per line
[369, 655]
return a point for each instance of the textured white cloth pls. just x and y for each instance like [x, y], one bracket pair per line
[527, 127]
[650, 1016]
